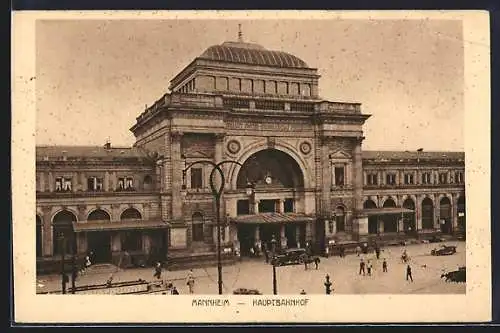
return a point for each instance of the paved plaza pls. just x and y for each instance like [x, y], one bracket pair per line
[256, 274]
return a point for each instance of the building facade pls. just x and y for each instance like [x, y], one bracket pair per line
[295, 169]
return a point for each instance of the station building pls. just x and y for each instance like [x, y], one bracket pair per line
[297, 171]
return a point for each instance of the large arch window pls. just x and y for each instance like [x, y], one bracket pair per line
[427, 214]
[130, 214]
[390, 220]
[445, 215]
[197, 220]
[409, 218]
[98, 215]
[62, 231]
[270, 167]
[38, 236]
[372, 220]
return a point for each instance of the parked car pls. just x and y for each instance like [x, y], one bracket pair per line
[455, 276]
[444, 250]
[290, 257]
[245, 291]
[435, 239]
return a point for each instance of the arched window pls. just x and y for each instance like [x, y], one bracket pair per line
[38, 236]
[445, 215]
[340, 219]
[147, 182]
[98, 215]
[427, 214]
[62, 231]
[130, 214]
[372, 220]
[409, 218]
[390, 220]
[197, 221]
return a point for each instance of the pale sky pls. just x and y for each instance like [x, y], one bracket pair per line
[94, 77]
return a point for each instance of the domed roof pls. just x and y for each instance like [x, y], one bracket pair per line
[254, 54]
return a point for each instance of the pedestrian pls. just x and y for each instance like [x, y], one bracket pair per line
[384, 266]
[316, 262]
[369, 268]
[190, 281]
[266, 253]
[377, 251]
[305, 263]
[252, 252]
[175, 291]
[358, 250]
[408, 273]
[361, 267]
[327, 251]
[342, 252]
[303, 292]
[157, 273]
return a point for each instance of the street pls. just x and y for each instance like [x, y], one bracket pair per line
[256, 274]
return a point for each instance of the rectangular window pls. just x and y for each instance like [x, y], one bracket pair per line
[442, 178]
[426, 178]
[94, 184]
[125, 184]
[459, 177]
[390, 179]
[243, 207]
[63, 184]
[372, 179]
[196, 178]
[288, 206]
[408, 178]
[339, 175]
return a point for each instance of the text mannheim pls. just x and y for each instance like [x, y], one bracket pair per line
[300, 156]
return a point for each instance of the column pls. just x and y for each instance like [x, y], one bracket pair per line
[51, 182]
[437, 221]
[177, 167]
[418, 212]
[361, 222]
[47, 231]
[384, 178]
[82, 216]
[42, 181]
[74, 181]
[297, 235]
[454, 212]
[113, 183]
[281, 206]
[365, 177]
[415, 180]
[282, 236]
[256, 206]
[116, 242]
[106, 181]
[381, 226]
[327, 180]
[146, 243]
[348, 168]
[257, 233]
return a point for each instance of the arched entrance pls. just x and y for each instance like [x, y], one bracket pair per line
[62, 231]
[390, 220]
[278, 177]
[99, 242]
[427, 214]
[372, 220]
[445, 215]
[131, 240]
[461, 223]
[38, 236]
[409, 224]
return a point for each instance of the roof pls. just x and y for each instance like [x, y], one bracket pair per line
[272, 218]
[254, 54]
[98, 152]
[385, 211]
[118, 225]
[402, 155]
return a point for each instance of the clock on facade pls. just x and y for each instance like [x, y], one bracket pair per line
[268, 180]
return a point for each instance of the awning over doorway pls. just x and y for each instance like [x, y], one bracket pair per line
[385, 211]
[268, 218]
[84, 226]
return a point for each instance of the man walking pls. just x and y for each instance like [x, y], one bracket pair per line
[408, 273]
[190, 281]
[384, 266]
[157, 273]
[361, 267]
[369, 268]
[316, 262]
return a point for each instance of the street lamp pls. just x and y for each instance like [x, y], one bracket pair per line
[63, 255]
[217, 193]
[275, 283]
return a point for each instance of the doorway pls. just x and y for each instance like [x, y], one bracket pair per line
[291, 235]
[99, 242]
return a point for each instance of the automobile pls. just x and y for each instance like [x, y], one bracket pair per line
[245, 291]
[444, 250]
[455, 276]
[295, 256]
[435, 239]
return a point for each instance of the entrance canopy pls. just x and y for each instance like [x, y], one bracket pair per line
[385, 211]
[105, 225]
[272, 218]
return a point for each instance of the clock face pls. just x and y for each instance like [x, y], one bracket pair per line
[268, 180]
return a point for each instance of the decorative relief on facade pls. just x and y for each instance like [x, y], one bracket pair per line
[271, 142]
[305, 147]
[233, 146]
[275, 126]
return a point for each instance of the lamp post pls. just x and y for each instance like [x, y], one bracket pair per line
[275, 283]
[63, 255]
[73, 264]
[217, 193]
